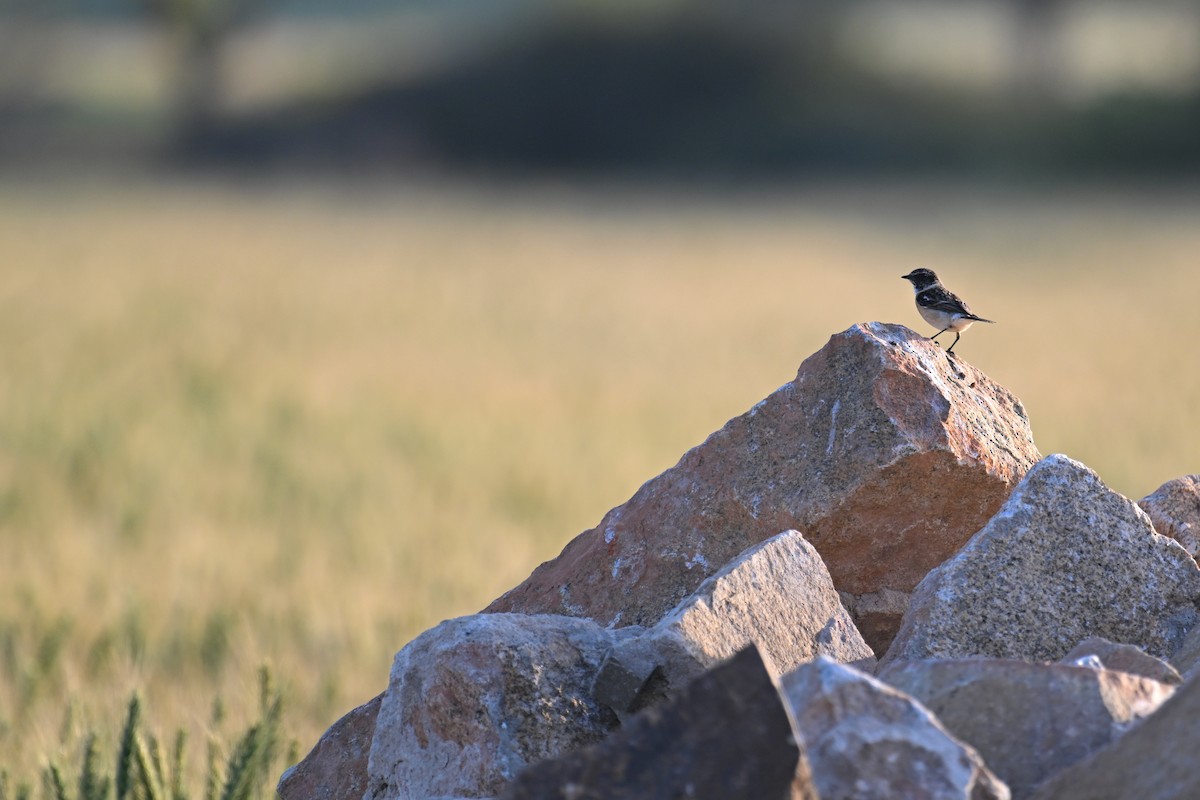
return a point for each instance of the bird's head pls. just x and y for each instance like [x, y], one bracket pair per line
[921, 278]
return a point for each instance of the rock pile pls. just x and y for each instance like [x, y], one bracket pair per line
[716, 635]
[884, 452]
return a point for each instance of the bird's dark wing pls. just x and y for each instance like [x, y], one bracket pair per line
[939, 299]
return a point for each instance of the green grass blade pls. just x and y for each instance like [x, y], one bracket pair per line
[178, 777]
[150, 782]
[125, 755]
[56, 787]
[94, 784]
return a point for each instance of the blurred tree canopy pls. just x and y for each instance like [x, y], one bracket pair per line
[719, 90]
[760, 87]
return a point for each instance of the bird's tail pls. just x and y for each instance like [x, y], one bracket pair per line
[974, 318]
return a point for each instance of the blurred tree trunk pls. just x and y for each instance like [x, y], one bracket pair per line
[199, 30]
[1038, 58]
[198, 93]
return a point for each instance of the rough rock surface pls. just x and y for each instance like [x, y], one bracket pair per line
[865, 740]
[1065, 558]
[1187, 658]
[884, 451]
[727, 735]
[1174, 508]
[1028, 721]
[1123, 658]
[777, 595]
[1154, 761]
[476, 699]
[336, 769]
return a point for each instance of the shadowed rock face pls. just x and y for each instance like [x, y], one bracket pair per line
[886, 454]
[1154, 761]
[1028, 721]
[728, 734]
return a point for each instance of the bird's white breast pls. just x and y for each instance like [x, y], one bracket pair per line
[944, 320]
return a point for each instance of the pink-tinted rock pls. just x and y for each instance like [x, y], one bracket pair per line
[336, 769]
[884, 452]
[1028, 721]
[1154, 761]
[475, 700]
[1174, 508]
[865, 739]
[1065, 558]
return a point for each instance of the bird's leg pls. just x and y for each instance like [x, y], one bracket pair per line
[957, 336]
[939, 333]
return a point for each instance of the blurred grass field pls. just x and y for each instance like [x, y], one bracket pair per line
[297, 424]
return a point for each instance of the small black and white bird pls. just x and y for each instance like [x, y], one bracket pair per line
[940, 307]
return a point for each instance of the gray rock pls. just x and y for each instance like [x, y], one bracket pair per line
[1124, 658]
[1028, 721]
[727, 735]
[336, 769]
[475, 700]
[1065, 558]
[886, 454]
[867, 740]
[1154, 761]
[1174, 508]
[777, 595]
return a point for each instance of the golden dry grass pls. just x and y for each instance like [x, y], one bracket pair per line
[300, 424]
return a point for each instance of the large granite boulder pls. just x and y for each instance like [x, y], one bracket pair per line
[1065, 558]
[475, 700]
[887, 454]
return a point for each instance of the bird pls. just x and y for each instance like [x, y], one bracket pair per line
[940, 307]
